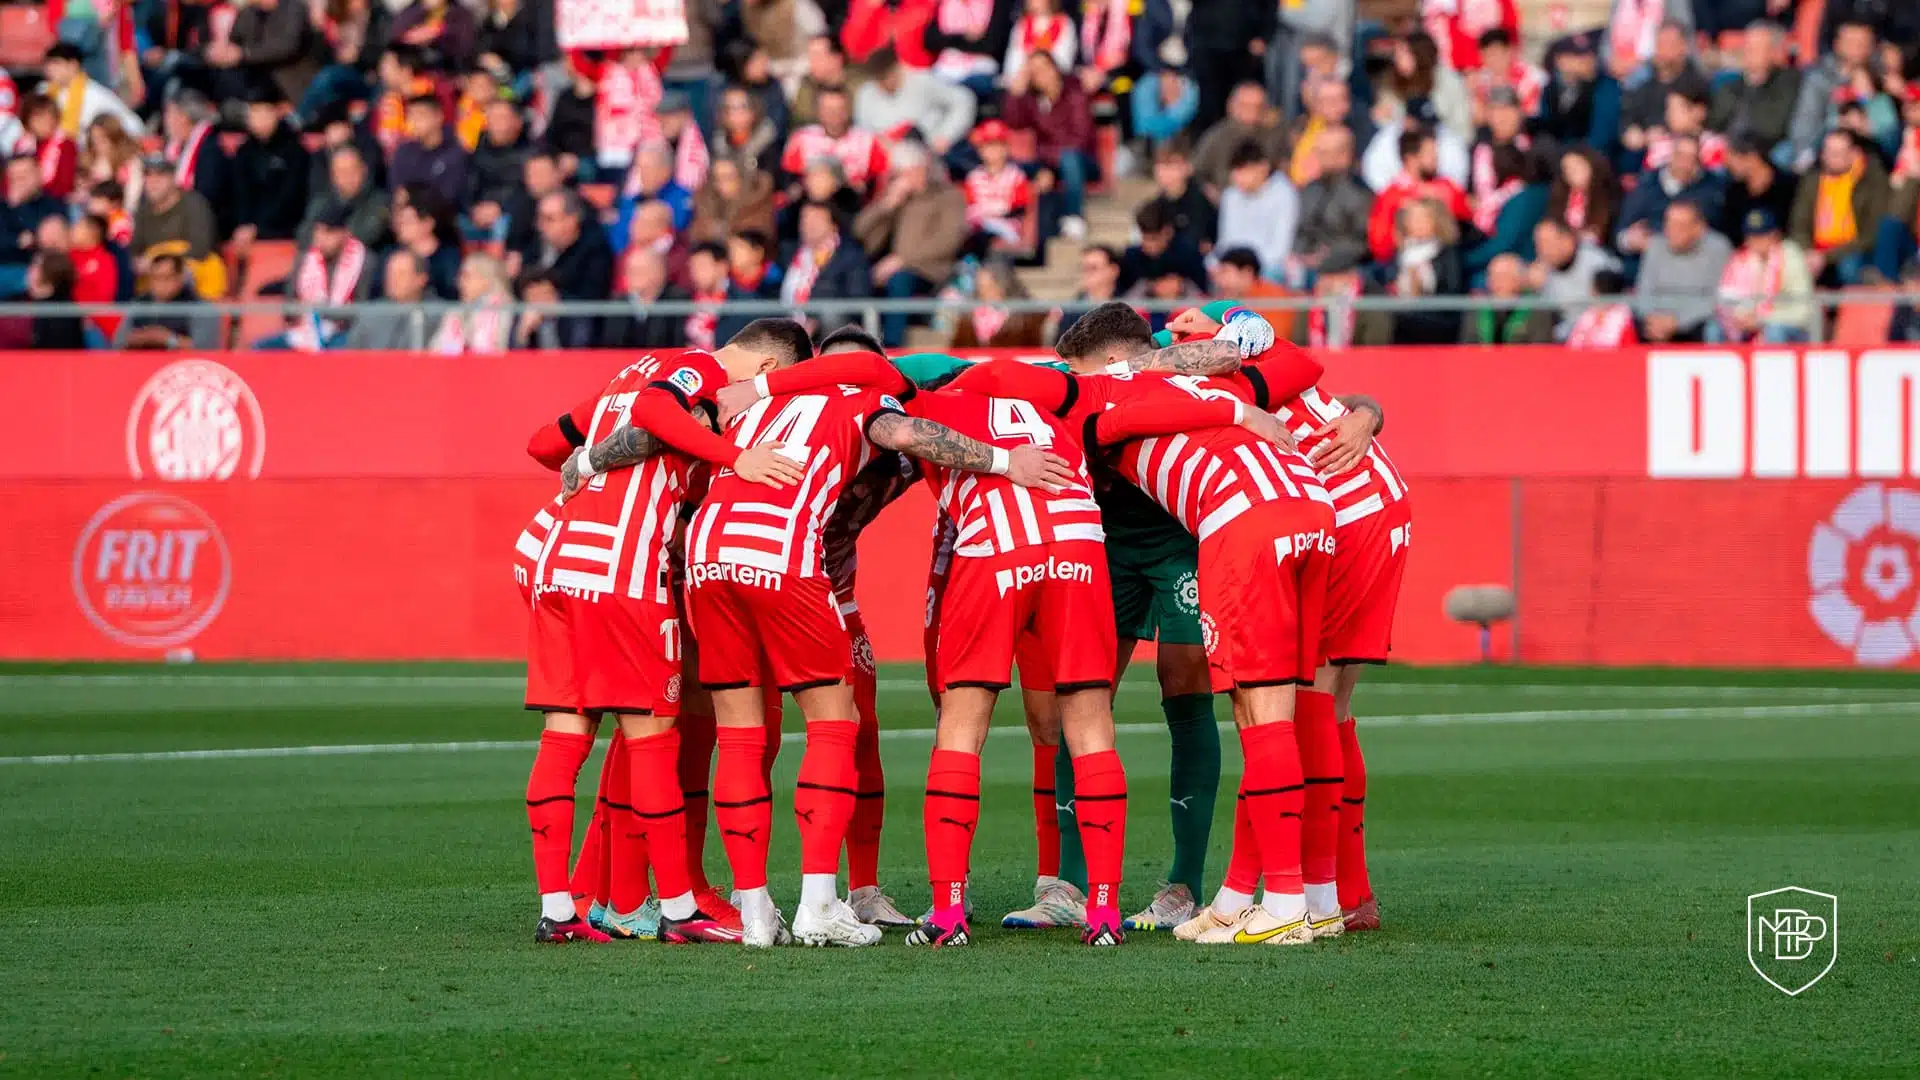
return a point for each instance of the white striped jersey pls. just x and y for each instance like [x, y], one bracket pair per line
[993, 195]
[777, 531]
[861, 154]
[1360, 492]
[612, 538]
[994, 515]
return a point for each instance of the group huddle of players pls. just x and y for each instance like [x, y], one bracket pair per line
[700, 560]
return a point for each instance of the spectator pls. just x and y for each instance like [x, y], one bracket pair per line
[78, 100]
[1645, 207]
[171, 221]
[1644, 107]
[1679, 275]
[483, 324]
[826, 71]
[998, 192]
[1161, 245]
[1259, 210]
[429, 156]
[1419, 178]
[50, 280]
[644, 283]
[1164, 104]
[1607, 323]
[401, 79]
[861, 154]
[1766, 292]
[1524, 325]
[652, 180]
[652, 230]
[1874, 118]
[1315, 39]
[771, 53]
[539, 177]
[414, 231]
[1106, 40]
[478, 90]
[1458, 28]
[1236, 276]
[109, 155]
[1334, 321]
[913, 231]
[187, 121]
[441, 28]
[1383, 160]
[188, 324]
[1754, 182]
[55, 151]
[537, 327]
[1041, 99]
[732, 202]
[354, 34]
[1099, 283]
[97, 277]
[1566, 264]
[1165, 283]
[1195, 218]
[1420, 86]
[1334, 208]
[1686, 118]
[967, 41]
[707, 276]
[1894, 245]
[1585, 195]
[1502, 68]
[898, 101]
[1633, 30]
[1041, 28]
[570, 129]
[495, 168]
[1758, 106]
[1582, 103]
[1837, 210]
[273, 43]
[508, 36]
[576, 257]
[1329, 106]
[990, 324]
[27, 206]
[751, 275]
[681, 132]
[1848, 67]
[689, 71]
[403, 282]
[1248, 120]
[1226, 47]
[335, 270]
[1426, 263]
[747, 138]
[824, 266]
[270, 172]
[108, 203]
[348, 188]
[822, 182]
[1506, 126]
[1889, 20]
[1507, 215]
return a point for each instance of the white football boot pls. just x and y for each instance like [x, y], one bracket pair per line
[832, 924]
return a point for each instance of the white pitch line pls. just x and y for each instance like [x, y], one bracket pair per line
[1537, 716]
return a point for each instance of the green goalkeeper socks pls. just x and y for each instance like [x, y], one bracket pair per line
[1194, 784]
[1073, 859]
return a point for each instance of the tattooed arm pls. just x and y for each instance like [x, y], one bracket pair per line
[1191, 358]
[1363, 402]
[940, 445]
[627, 445]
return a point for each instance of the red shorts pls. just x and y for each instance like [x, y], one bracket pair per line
[1363, 586]
[604, 654]
[1036, 667]
[748, 630]
[1056, 594]
[1263, 583]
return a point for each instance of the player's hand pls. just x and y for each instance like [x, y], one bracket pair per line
[1267, 426]
[570, 482]
[765, 464]
[1347, 441]
[1032, 467]
[734, 399]
[1253, 334]
[1192, 323]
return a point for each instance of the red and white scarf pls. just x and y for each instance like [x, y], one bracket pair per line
[1104, 37]
[185, 154]
[626, 103]
[964, 18]
[604, 24]
[1528, 83]
[1609, 326]
[1576, 215]
[1461, 22]
[1632, 29]
[1750, 282]
[220, 20]
[50, 152]
[1337, 334]
[1486, 209]
[690, 158]
[1483, 177]
[703, 326]
[1906, 166]
[987, 322]
[805, 271]
[314, 285]
[1713, 150]
[1041, 34]
[479, 329]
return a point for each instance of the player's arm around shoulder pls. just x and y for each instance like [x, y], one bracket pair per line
[938, 444]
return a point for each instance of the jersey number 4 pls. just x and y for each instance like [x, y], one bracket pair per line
[1012, 418]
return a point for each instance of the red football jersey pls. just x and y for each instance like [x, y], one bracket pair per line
[613, 536]
[862, 157]
[996, 195]
[769, 530]
[995, 515]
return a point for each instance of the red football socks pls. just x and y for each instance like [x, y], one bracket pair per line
[775, 711]
[1355, 888]
[627, 849]
[823, 797]
[870, 805]
[1275, 793]
[1243, 866]
[696, 771]
[1318, 732]
[1100, 801]
[742, 806]
[654, 793]
[949, 817]
[592, 868]
[1046, 822]
[556, 768]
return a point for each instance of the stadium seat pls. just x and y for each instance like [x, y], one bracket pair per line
[1805, 35]
[267, 262]
[25, 35]
[1867, 322]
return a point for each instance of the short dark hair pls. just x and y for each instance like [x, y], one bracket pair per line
[833, 43]
[1248, 153]
[883, 60]
[831, 210]
[61, 50]
[1242, 258]
[173, 262]
[56, 270]
[1692, 95]
[1179, 147]
[1156, 215]
[1412, 139]
[778, 336]
[1105, 252]
[1109, 324]
[755, 238]
[426, 101]
[530, 278]
[850, 334]
[714, 248]
[837, 91]
[1496, 36]
[1609, 283]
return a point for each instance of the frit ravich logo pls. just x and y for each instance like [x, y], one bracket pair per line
[1793, 936]
[1860, 570]
[151, 570]
[195, 420]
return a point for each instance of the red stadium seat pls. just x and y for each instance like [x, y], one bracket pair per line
[267, 262]
[1805, 36]
[25, 35]
[1865, 322]
[599, 196]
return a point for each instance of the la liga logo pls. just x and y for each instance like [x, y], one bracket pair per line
[151, 571]
[1861, 572]
[195, 420]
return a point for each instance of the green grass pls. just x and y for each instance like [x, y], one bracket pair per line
[1563, 861]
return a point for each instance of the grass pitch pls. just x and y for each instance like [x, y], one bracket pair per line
[1563, 861]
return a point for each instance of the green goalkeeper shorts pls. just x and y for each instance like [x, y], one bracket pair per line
[1156, 591]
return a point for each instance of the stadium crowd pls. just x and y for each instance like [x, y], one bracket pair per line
[1686, 172]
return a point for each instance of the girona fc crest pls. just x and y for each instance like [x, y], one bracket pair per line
[195, 420]
[863, 653]
[1209, 634]
[672, 692]
[1860, 569]
[151, 570]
